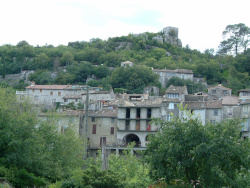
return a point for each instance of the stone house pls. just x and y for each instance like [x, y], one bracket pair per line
[174, 96]
[230, 107]
[244, 94]
[99, 95]
[219, 91]
[101, 129]
[127, 63]
[134, 121]
[165, 75]
[208, 111]
[245, 116]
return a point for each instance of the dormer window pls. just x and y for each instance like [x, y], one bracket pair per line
[173, 95]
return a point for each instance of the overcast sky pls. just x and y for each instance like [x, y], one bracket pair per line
[40, 22]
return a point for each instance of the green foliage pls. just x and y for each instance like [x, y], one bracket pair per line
[125, 170]
[238, 37]
[32, 150]
[41, 77]
[192, 87]
[134, 79]
[184, 149]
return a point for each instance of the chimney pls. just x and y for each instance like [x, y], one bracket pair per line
[32, 83]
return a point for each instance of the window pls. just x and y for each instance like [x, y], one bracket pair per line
[171, 106]
[51, 93]
[127, 125]
[127, 113]
[149, 113]
[138, 113]
[65, 100]
[168, 118]
[168, 74]
[102, 141]
[138, 125]
[212, 121]
[112, 120]
[173, 74]
[63, 129]
[41, 90]
[215, 112]
[76, 100]
[94, 129]
[173, 95]
[230, 111]
[93, 119]
[59, 93]
[112, 130]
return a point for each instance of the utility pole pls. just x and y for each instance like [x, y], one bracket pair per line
[85, 126]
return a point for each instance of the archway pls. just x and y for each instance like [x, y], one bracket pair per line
[133, 138]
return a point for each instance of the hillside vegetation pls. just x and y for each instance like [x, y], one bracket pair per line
[79, 60]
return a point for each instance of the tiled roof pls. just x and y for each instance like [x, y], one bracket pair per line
[214, 104]
[64, 112]
[49, 87]
[230, 100]
[104, 113]
[195, 105]
[72, 97]
[174, 100]
[127, 62]
[203, 104]
[196, 97]
[219, 86]
[244, 90]
[176, 89]
[97, 92]
[186, 71]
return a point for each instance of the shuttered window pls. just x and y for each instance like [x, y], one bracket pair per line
[94, 129]
[112, 130]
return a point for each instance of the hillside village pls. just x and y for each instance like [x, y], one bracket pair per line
[113, 94]
[115, 120]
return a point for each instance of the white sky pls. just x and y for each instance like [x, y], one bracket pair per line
[40, 22]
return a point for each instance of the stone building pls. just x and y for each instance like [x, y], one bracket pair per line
[174, 96]
[166, 74]
[101, 129]
[127, 63]
[134, 120]
[245, 116]
[230, 107]
[244, 94]
[171, 36]
[219, 91]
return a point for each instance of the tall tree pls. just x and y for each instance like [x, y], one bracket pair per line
[238, 37]
[187, 151]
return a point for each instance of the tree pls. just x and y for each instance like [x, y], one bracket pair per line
[210, 155]
[32, 151]
[133, 78]
[238, 37]
[67, 58]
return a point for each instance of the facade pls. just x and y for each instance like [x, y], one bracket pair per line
[219, 91]
[101, 129]
[231, 107]
[99, 95]
[127, 63]
[134, 121]
[244, 94]
[165, 75]
[245, 116]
